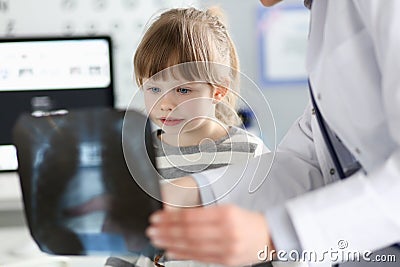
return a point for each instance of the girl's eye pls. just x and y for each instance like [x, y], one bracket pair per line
[183, 91]
[154, 90]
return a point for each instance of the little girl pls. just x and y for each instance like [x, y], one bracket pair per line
[188, 69]
[187, 66]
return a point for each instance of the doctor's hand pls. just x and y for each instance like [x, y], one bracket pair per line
[225, 234]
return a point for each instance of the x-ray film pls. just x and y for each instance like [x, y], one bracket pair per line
[79, 195]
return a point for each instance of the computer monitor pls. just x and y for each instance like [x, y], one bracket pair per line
[48, 74]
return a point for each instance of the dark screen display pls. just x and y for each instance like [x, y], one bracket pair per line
[49, 74]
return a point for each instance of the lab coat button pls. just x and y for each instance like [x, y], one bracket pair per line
[332, 171]
[319, 96]
[358, 150]
[313, 111]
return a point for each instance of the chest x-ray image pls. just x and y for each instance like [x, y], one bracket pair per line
[79, 195]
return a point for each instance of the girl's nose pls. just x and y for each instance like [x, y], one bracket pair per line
[167, 101]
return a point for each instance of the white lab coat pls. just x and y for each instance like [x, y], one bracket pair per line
[354, 67]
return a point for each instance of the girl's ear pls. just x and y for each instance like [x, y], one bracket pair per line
[219, 93]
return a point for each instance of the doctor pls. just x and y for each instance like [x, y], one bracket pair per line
[334, 184]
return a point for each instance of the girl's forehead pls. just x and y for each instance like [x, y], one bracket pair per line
[172, 83]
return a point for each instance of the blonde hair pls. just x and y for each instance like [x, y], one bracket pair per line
[183, 35]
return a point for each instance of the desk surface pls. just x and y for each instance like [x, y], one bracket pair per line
[21, 251]
[10, 191]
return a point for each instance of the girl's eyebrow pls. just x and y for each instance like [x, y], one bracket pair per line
[188, 83]
[149, 84]
[171, 84]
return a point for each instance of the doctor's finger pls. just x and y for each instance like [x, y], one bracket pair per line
[189, 247]
[189, 233]
[205, 215]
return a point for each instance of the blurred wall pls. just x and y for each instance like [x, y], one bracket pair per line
[287, 102]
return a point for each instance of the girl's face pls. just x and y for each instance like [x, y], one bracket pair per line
[181, 107]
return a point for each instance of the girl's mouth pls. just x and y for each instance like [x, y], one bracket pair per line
[170, 121]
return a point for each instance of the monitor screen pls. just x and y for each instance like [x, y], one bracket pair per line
[49, 74]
